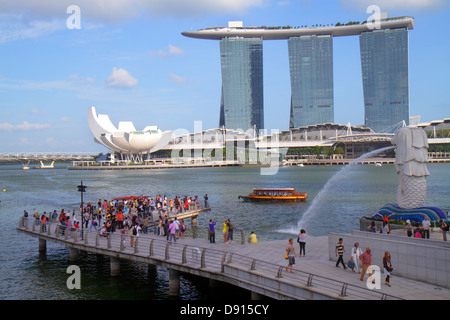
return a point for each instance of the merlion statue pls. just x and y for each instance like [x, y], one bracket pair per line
[411, 156]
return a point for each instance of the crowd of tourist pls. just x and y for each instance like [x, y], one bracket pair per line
[125, 215]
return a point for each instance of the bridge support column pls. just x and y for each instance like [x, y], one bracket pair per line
[174, 282]
[42, 245]
[213, 283]
[256, 296]
[115, 266]
[73, 254]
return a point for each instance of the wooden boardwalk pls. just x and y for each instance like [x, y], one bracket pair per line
[260, 267]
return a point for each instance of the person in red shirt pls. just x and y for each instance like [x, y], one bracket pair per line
[366, 259]
[119, 219]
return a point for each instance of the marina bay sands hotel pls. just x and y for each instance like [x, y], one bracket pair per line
[384, 65]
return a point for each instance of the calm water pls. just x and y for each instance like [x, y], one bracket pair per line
[28, 275]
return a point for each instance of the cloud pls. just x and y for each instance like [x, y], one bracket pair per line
[122, 10]
[171, 51]
[397, 5]
[13, 27]
[120, 78]
[177, 79]
[25, 126]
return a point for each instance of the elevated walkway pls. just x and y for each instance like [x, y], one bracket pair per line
[260, 267]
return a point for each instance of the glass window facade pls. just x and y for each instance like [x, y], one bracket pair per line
[311, 73]
[384, 64]
[242, 101]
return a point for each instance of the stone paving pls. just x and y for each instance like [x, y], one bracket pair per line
[317, 261]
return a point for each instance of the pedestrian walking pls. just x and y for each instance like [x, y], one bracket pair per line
[339, 250]
[366, 259]
[356, 252]
[172, 232]
[387, 266]
[290, 255]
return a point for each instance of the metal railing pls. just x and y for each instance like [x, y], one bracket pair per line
[213, 260]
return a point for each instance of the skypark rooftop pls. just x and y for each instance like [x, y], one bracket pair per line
[267, 33]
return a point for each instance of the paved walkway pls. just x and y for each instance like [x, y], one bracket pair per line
[317, 262]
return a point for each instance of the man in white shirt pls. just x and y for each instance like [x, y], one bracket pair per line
[426, 228]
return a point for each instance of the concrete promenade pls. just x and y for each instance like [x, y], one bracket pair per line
[317, 261]
[259, 268]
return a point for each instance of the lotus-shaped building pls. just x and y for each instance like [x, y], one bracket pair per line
[126, 141]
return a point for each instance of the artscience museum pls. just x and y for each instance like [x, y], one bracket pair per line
[125, 141]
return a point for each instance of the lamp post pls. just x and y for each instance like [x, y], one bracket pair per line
[82, 189]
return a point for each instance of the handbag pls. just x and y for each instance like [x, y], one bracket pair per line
[351, 264]
[286, 256]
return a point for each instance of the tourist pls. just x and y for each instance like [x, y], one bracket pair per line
[225, 232]
[119, 219]
[177, 227]
[182, 228]
[387, 265]
[172, 231]
[123, 236]
[426, 228]
[230, 231]
[302, 241]
[290, 254]
[408, 228]
[161, 227]
[339, 250]
[384, 216]
[356, 252]
[212, 232]
[372, 227]
[252, 238]
[145, 224]
[366, 259]
[166, 228]
[444, 227]
[385, 228]
[206, 200]
[418, 233]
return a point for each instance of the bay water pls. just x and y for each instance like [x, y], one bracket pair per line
[27, 274]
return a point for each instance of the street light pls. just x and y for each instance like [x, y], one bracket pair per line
[82, 189]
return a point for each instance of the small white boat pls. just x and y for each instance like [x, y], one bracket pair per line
[378, 164]
[25, 166]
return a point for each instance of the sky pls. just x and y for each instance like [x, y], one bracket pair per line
[129, 60]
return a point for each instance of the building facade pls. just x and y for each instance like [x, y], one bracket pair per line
[311, 74]
[242, 101]
[384, 64]
[384, 61]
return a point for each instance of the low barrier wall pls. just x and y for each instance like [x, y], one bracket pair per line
[423, 260]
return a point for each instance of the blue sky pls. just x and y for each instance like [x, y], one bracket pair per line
[130, 61]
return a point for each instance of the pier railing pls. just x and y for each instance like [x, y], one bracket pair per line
[193, 256]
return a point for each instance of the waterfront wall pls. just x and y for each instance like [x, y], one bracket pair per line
[416, 259]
